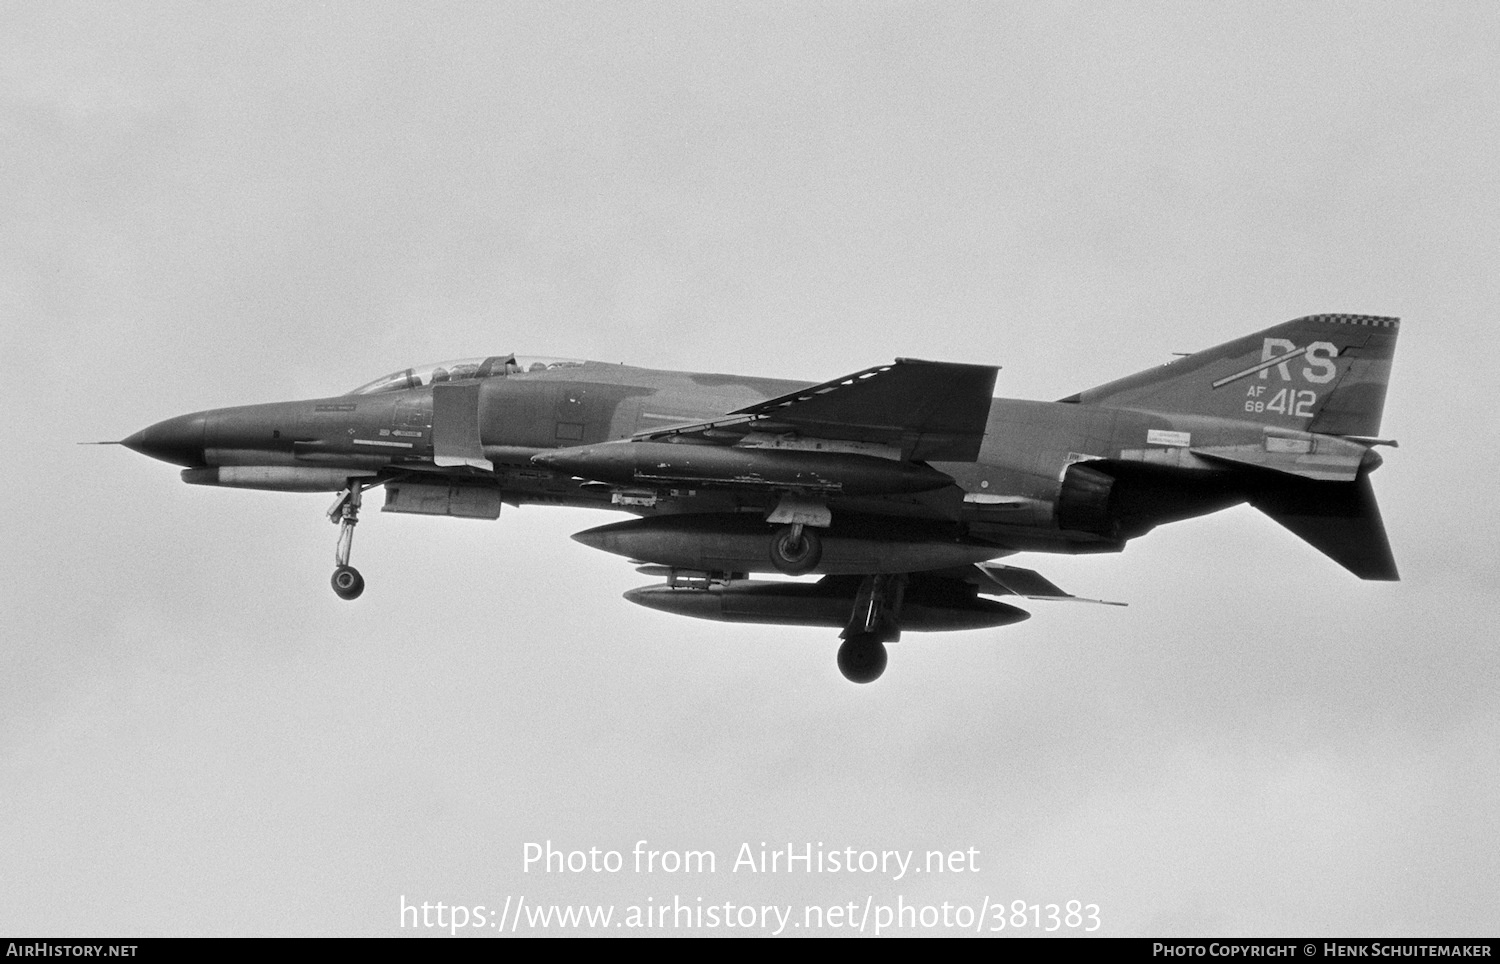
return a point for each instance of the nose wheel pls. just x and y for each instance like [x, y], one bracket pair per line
[347, 582]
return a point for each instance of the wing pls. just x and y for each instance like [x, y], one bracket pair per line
[924, 410]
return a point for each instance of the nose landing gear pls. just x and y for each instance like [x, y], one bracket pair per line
[347, 582]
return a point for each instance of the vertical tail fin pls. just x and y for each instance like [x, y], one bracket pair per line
[1321, 373]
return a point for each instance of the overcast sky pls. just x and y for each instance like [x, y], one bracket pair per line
[207, 206]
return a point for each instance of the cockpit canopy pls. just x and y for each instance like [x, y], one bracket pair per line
[461, 369]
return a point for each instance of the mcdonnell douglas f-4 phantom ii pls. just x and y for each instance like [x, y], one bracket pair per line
[898, 484]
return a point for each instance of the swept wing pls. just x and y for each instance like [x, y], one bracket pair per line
[921, 410]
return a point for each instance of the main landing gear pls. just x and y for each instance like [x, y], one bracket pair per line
[876, 620]
[796, 549]
[796, 546]
[862, 658]
[347, 582]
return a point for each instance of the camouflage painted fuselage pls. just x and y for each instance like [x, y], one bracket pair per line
[1070, 476]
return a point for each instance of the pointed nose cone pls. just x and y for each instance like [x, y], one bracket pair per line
[177, 440]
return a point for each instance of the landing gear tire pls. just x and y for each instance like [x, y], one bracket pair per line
[862, 659]
[347, 582]
[796, 552]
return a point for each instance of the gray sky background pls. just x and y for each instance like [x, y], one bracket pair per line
[211, 206]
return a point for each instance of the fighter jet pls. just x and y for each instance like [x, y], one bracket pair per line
[899, 485]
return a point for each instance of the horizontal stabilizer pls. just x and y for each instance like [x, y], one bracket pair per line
[1339, 519]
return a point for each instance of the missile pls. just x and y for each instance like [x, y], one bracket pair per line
[724, 542]
[637, 463]
[826, 603]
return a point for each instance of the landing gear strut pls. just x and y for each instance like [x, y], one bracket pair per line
[347, 582]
